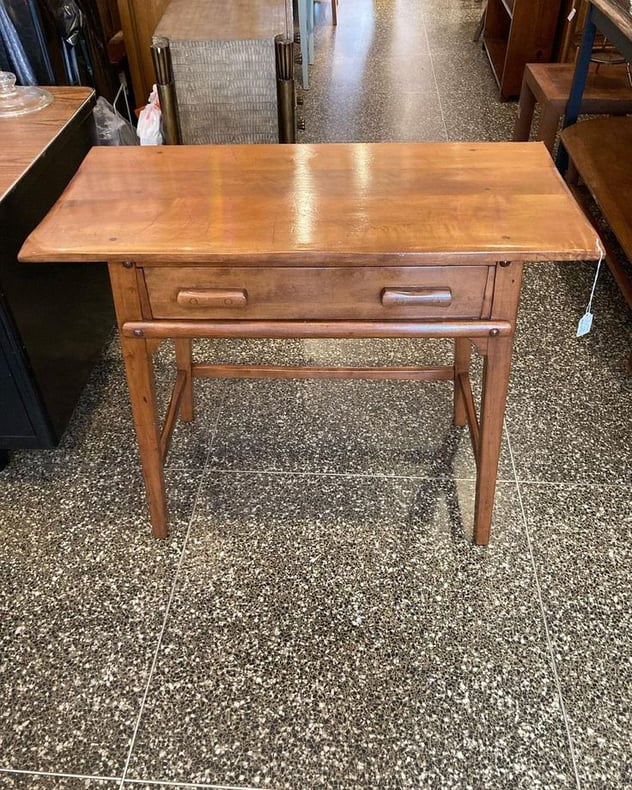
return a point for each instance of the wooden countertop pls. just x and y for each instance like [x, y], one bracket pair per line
[223, 20]
[23, 139]
[362, 204]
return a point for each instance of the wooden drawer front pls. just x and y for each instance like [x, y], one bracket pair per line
[356, 293]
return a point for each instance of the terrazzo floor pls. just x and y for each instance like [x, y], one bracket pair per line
[319, 617]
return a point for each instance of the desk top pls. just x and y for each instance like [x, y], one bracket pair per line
[23, 139]
[360, 204]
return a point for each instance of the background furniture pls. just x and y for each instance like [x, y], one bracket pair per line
[608, 91]
[38, 50]
[347, 240]
[601, 150]
[573, 19]
[54, 320]
[517, 32]
[138, 20]
[306, 22]
[306, 29]
[224, 67]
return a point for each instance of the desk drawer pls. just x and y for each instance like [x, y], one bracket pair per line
[351, 293]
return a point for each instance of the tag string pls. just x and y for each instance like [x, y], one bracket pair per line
[594, 285]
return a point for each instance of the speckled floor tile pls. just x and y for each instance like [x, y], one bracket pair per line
[377, 116]
[569, 412]
[582, 539]
[101, 428]
[449, 22]
[378, 427]
[144, 785]
[337, 630]
[373, 79]
[345, 633]
[360, 351]
[83, 591]
[11, 780]
[469, 96]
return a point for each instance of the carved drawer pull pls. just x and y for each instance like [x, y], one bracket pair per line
[397, 297]
[213, 297]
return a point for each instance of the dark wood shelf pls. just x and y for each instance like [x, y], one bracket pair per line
[517, 32]
[496, 49]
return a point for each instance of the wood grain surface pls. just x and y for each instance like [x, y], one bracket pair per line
[327, 204]
[24, 138]
[223, 20]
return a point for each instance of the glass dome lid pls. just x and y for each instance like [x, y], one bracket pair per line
[18, 100]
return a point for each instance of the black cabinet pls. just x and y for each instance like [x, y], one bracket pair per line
[54, 318]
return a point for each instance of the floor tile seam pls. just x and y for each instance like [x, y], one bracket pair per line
[572, 483]
[60, 775]
[204, 785]
[213, 431]
[434, 79]
[547, 632]
[163, 628]
[104, 778]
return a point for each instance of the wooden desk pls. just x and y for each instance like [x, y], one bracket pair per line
[317, 241]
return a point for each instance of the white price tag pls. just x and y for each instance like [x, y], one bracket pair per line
[585, 324]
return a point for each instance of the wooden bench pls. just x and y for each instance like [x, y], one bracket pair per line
[608, 91]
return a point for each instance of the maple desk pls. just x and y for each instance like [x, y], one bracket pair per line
[317, 241]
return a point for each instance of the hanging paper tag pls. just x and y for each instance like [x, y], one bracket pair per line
[585, 324]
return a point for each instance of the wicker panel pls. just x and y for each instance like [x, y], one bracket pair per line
[226, 91]
[224, 67]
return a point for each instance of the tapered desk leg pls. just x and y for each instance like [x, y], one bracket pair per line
[462, 359]
[142, 391]
[495, 382]
[497, 365]
[137, 356]
[183, 363]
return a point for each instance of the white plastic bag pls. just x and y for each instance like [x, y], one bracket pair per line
[149, 127]
[110, 127]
